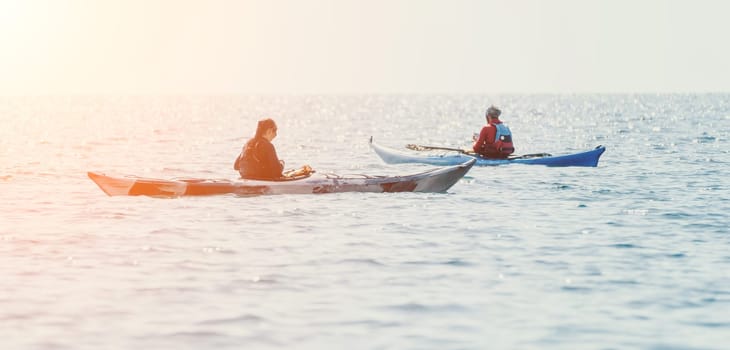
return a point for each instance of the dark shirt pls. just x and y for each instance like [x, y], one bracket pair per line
[258, 160]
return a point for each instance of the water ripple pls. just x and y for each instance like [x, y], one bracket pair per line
[511, 257]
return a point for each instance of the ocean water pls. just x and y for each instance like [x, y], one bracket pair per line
[633, 254]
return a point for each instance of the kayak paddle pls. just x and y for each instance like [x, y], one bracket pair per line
[431, 148]
[471, 153]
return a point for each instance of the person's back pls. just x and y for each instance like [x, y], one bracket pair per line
[495, 138]
[258, 159]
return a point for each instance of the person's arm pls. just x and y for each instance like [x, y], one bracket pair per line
[483, 137]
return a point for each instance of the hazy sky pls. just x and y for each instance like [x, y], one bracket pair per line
[368, 46]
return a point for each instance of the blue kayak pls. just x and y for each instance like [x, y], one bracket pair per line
[452, 156]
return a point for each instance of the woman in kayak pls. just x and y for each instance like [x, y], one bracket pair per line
[258, 158]
[495, 139]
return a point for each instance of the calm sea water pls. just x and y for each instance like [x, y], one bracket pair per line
[632, 254]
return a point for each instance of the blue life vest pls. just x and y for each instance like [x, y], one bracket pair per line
[503, 140]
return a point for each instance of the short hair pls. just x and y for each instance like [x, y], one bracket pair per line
[493, 111]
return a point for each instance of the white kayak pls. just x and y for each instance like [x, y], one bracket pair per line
[434, 180]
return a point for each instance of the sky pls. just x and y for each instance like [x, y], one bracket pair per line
[66, 47]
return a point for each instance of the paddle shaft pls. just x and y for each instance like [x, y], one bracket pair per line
[429, 148]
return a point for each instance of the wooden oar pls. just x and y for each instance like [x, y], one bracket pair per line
[415, 147]
[431, 148]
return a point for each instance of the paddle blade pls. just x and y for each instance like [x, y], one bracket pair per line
[418, 147]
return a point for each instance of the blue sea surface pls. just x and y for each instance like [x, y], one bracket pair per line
[632, 254]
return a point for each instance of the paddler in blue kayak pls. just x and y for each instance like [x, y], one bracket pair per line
[495, 139]
[258, 159]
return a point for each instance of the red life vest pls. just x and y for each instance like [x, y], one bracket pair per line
[502, 145]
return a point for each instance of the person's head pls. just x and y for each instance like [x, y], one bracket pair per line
[493, 112]
[266, 129]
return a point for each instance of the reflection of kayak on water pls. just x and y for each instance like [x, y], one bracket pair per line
[451, 156]
[435, 180]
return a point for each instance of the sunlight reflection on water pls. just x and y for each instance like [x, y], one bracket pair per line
[629, 254]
